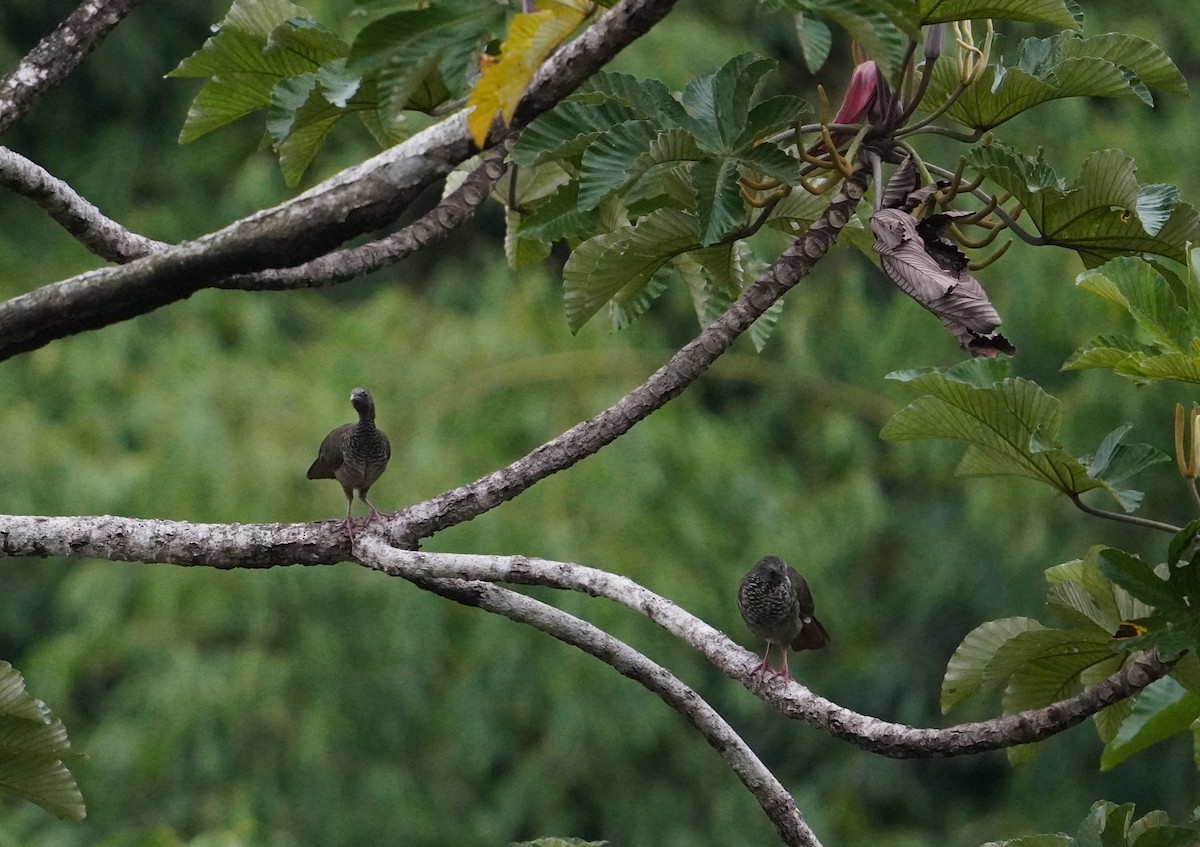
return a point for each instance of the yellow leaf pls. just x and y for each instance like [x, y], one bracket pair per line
[531, 38]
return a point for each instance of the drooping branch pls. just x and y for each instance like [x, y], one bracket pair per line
[358, 200]
[693, 359]
[774, 799]
[103, 236]
[58, 54]
[269, 545]
[792, 699]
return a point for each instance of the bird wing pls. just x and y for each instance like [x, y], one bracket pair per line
[812, 635]
[329, 454]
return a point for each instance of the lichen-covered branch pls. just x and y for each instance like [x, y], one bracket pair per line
[58, 54]
[455, 209]
[355, 201]
[774, 799]
[270, 545]
[103, 236]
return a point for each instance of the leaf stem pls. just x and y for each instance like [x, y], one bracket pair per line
[1148, 523]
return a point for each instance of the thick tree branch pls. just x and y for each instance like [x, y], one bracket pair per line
[103, 236]
[269, 545]
[58, 54]
[358, 200]
[455, 209]
[582, 440]
[774, 799]
[792, 699]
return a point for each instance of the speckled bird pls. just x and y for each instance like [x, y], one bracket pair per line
[355, 454]
[776, 604]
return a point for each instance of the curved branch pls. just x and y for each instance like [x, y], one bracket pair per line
[693, 359]
[58, 54]
[103, 236]
[451, 212]
[792, 699]
[355, 201]
[229, 546]
[774, 799]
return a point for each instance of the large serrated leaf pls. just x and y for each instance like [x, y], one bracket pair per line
[624, 260]
[769, 117]
[1163, 709]
[1097, 215]
[608, 160]
[566, 131]
[1043, 667]
[33, 745]
[882, 27]
[1054, 12]
[1112, 65]
[1134, 285]
[1139, 579]
[424, 56]
[242, 71]
[719, 101]
[718, 202]
[968, 667]
[1010, 428]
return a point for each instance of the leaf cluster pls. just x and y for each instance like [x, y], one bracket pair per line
[1110, 825]
[1011, 426]
[646, 181]
[1166, 313]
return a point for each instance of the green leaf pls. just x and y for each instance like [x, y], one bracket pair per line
[33, 745]
[1044, 666]
[1163, 709]
[718, 202]
[242, 71]
[623, 261]
[1106, 351]
[815, 40]
[882, 27]
[1114, 65]
[1182, 542]
[566, 131]
[1011, 427]
[967, 669]
[558, 217]
[1139, 579]
[1054, 12]
[416, 52]
[719, 101]
[772, 115]
[1134, 285]
[1097, 215]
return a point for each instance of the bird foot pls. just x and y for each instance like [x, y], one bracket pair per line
[764, 666]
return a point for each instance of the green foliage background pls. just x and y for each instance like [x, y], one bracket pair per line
[333, 706]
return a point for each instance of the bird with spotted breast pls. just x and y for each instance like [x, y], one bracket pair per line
[355, 454]
[777, 605]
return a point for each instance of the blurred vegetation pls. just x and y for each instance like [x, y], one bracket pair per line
[333, 706]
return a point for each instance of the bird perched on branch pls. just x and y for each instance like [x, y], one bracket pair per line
[355, 454]
[776, 604]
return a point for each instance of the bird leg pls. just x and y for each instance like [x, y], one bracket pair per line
[765, 665]
[375, 513]
[348, 523]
